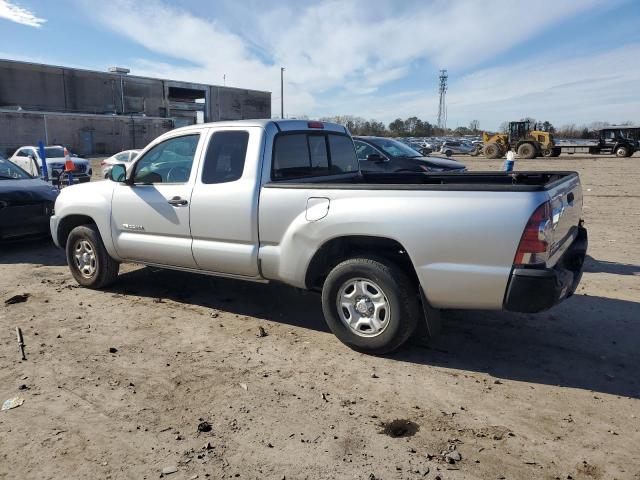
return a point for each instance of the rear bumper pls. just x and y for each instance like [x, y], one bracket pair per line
[533, 290]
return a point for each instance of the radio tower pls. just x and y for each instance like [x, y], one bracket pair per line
[442, 109]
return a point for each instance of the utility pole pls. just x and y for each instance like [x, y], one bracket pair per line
[442, 109]
[282, 92]
[224, 79]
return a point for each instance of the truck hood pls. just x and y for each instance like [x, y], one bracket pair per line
[438, 162]
[26, 192]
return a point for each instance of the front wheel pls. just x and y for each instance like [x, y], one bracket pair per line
[370, 304]
[88, 259]
[622, 151]
[492, 150]
[526, 150]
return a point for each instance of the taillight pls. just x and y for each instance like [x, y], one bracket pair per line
[315, 125]
[536, 239]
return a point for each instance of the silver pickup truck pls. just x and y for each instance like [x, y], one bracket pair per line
[284, 201]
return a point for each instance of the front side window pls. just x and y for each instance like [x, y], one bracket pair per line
[168, 162]
[225, 157]
[363, 150]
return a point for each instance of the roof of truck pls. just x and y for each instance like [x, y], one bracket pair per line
[286, 124]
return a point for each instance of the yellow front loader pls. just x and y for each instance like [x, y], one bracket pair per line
[527, 143]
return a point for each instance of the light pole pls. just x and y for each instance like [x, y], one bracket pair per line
[282, 92]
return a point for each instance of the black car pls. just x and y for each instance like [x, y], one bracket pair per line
[379, 154]
[26, 203]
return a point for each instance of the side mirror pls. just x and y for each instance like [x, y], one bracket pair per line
[118, 173]
[374, 157]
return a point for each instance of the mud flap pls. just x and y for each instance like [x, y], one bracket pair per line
[431, 325]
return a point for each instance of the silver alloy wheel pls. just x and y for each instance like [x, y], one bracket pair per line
[363, 307]
[85, 256]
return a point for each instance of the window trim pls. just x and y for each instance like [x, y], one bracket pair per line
[141, 156]
[308, 132]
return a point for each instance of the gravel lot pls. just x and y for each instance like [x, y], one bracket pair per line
[117, 381]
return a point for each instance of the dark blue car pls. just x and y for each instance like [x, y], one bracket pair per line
[26, 203]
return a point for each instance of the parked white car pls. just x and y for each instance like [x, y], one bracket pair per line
[28, 158]
[122, 158]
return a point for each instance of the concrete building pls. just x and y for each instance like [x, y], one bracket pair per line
[100, 113]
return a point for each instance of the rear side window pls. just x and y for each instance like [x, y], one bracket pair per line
[301, 155]
[225, 157]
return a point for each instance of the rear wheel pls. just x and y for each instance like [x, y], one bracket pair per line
[492, 150]
[448, 153]
[88, 260]
[370, 304]
[527, 151]
[622, 151]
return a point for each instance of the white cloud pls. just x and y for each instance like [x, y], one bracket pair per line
[561, 90]
[338, 54]
[17, 14]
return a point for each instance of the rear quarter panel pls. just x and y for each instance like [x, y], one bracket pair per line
[461, 243]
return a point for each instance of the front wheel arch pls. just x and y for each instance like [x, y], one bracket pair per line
[68, 223]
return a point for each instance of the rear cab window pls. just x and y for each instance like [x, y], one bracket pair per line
[305, 154]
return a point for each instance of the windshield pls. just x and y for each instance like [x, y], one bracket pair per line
[9, 171]
[54, 152]
[394, 148]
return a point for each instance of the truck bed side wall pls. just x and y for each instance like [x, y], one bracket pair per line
[462, 244]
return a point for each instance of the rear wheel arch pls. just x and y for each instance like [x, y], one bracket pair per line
[339, 249]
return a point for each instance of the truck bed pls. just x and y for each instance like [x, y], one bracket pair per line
[475, 181]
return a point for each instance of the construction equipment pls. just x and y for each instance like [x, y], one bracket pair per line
[522, 139]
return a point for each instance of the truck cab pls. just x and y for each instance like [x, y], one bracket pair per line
[613, 141]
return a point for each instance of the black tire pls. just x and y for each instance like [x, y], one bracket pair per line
[630, 154]
[102, 269]
[399, 292]
[622, 151]
[492, 150]
[448, 153]
[556, 152]
[527, 151]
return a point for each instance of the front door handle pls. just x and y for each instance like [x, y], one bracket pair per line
[178, 202]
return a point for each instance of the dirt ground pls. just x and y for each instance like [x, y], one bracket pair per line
[117, 381]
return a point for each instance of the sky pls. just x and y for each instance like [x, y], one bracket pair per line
[565, 61]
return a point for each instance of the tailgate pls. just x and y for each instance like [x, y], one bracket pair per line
[566, 208]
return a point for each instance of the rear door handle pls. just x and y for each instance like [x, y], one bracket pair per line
[178, 202]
